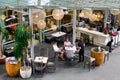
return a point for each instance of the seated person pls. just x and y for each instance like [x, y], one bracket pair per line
[67, 43]
[59, 50]
[70, 51]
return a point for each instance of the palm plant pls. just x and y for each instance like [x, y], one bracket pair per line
[3, 35]
[21, 42]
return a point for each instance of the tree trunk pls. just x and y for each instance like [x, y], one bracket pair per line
[25, 55]
[0, 48]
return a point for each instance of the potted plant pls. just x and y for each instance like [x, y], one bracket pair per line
[20, 51]
[3, 35]
[21, 43]
[98, 54]
[105, 30]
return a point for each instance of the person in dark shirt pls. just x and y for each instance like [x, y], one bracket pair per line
[109, 44]
[81, 45]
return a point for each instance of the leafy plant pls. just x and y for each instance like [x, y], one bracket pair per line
[21, 42]
[5, 33]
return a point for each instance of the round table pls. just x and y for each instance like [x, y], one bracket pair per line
[98, 55]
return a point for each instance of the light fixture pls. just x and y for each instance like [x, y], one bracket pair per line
[92, 17]
[58, 14]
[87, 12]
[2, 17]
[65, 11]
[81, 14]
[53, 27]
[114, 11]
[41, 24]
[99, 16]
[12, 16]
[38, 14]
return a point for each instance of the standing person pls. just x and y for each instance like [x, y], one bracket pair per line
[81, 45]
[109, 44]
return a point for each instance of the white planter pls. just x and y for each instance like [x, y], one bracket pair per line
[26, 73]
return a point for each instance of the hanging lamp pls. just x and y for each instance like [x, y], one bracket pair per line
[38, 14]
[2, 17]
[53, 27]
[87, 12]
[41, 24]
[58, 14]
[114, 11]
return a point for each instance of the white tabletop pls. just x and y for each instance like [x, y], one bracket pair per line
[71, 48]
[58, 34]
[41, 59]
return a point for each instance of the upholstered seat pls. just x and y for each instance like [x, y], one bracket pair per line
[50, 64]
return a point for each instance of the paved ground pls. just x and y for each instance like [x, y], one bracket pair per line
[110, 70]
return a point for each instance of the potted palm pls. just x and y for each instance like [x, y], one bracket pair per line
[20, 51]
[3, 35]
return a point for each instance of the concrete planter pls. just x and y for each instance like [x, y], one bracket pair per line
[25, 71]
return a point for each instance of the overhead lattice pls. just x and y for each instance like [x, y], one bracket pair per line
[74, 4]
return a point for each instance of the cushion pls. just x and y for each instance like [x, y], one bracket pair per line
[113, 33]
[50, 64]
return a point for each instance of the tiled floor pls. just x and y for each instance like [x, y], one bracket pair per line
[110, 70]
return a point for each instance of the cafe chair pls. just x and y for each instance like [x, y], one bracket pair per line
[37, 50]
[106, 48]
[39, 67]
[51, 65]
[88, 60]
[44, 52]
[56, 53]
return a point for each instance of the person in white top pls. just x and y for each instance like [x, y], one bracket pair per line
[57, 49]
[67, 43]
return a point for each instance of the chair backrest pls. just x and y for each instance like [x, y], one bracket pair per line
[37, 49]
[87, 58]
[44, 52]
[39, 66]
[70, 53]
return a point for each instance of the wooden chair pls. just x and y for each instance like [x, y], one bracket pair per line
[106, 48]
[89, 61]
[43, 52]
[51, 65]
[40, 66]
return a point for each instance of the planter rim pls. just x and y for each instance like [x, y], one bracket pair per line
[3, 56]
[97, 51]
[12, 60]
[25, 70]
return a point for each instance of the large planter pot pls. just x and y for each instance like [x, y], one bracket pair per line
[2, 59]
[12, 66]
[98, 55]
[25, 71]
